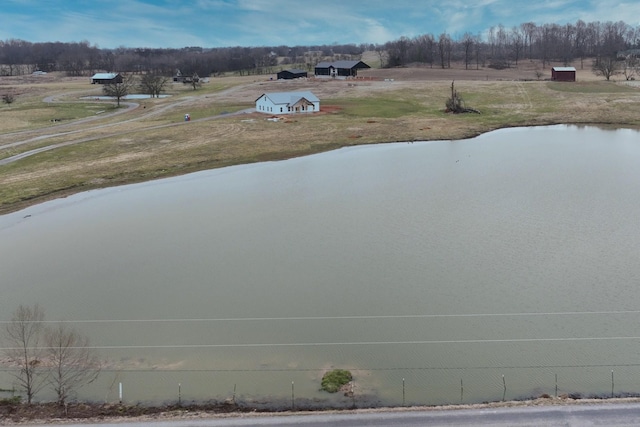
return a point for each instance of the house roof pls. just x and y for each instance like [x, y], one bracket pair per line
[290, 98]
[104, 76]
[342, 64]
[294, 71]
[564, 68]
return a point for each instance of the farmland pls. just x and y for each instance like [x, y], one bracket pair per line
[98, 145]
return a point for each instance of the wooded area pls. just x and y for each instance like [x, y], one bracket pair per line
[500, 48]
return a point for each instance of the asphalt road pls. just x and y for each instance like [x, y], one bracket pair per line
[605, 414]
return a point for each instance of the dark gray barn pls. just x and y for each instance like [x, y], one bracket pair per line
[293, 73]
[339, 69]
[106, 78]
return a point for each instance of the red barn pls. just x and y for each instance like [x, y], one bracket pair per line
[563, 74]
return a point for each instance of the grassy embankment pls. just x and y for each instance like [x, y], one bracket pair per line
[137, 146]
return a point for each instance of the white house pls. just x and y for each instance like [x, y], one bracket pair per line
[287, 103]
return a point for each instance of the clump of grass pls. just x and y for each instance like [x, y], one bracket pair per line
[333, 380]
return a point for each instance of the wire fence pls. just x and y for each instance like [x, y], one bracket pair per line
[298, 388]
[283, 374]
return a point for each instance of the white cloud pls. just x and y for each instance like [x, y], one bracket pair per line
[210, 23]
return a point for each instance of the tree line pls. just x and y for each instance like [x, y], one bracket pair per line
[503, 47]
[38, 355]
[499, 47]
[18, 57]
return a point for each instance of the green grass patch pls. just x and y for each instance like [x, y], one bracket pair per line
[379, 107]
[333, 380]
[29, 115]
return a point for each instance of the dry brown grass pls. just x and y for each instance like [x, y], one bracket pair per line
[153, 140]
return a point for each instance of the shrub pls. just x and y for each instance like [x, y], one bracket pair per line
[333, 380]
[8, 98]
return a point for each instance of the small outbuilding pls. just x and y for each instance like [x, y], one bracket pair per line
[287, 103]
[293, 73]
[563, 74]
[106, 78]
[339, 69]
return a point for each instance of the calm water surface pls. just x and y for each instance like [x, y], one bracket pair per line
[515, 253]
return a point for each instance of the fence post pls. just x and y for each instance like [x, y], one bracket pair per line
[612, 383]
[179, 394]
[504, 385]
[293, 404]
[403, 392]
[353, 394]
[556, 385]
[461, 390]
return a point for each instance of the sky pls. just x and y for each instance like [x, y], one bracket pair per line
[254, 23]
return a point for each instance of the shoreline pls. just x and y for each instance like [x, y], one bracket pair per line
[87, 413]
[63, 193]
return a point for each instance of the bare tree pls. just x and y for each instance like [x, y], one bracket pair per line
[382, 55]
[467, 44]
[118, 90]
[516, 43]
[630, 67]
[444, 49]
[23, 350]
[195, 81]
[581, 41]
[529, 31]
[71, 362]
[606, 67]
[479, 51]
[153, 84]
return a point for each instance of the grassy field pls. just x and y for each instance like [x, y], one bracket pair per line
[153, 141]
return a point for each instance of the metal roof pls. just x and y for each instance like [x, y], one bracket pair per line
[290, 98]
[341, 64]
[564, 68]
[104, 76]
[295, 71]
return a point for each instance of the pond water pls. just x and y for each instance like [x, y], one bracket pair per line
[437, 272]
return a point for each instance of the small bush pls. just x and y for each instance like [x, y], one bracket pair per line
[8, 98]
[333, 380]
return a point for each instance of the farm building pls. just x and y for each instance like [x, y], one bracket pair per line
[563, 74]
[287, 103]
[106, 78]
[178, 77]
[339, 69]
[293, 73]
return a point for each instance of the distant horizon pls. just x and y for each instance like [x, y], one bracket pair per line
[210, 24]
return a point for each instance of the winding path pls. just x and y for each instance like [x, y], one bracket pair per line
[41, 134]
